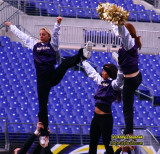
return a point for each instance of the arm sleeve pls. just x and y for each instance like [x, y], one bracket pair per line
[26, 39]
[27, 144]
[117, 84]
[55, 36]
[91, 72]
[127, 39]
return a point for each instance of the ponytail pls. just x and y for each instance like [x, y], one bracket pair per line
[132, 32]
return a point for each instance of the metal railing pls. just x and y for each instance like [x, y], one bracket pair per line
[8, 13]
[150, 97]
[59, 137]
[4, 146]
[43, 8]
[103, 37]
[155, 3]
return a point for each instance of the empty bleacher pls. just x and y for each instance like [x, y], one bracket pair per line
[82, 9]
[71, 101]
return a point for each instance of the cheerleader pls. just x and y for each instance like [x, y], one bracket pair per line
[128, 62]
[108, 91]
[44, 55]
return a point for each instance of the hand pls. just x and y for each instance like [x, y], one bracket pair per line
[16, 150]
[59, 19]
[39, 126]
[8, 23]
[48, 131]
[46, 142]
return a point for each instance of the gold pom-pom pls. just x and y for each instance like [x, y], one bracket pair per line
[112, 13]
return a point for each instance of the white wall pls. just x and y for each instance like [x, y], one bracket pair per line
[32, 22]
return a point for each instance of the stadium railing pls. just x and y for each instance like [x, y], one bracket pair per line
[56, 137]
[4, 142]
[39, 8]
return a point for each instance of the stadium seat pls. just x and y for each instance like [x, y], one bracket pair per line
[65, 129]
[71, 101]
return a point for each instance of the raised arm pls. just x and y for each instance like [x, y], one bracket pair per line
[127, 40]
[55, 34]
[91, 72]
[26, 39]
[31, 139]
[117, 84]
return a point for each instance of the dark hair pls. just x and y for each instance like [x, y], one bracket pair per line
[132, 32]
[114, 71]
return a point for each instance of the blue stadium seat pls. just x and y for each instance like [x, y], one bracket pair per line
[65, 129]
[75, 129]
[65, 82]
[77, 3]
[144, 17]
[77, 112]
[110, 1]
[80, 13]
[21, 92]
[132, 16]
[156, 120]
[128, 1]
[4, 38]
[155, 131]
[54, 130]
[28, 128]
[86, 4]
[2, 113]
[138, 121]
[5, 41]
[82, 119]
[18, 128]
[55, 110]
[64, 101]
[69, 89]
[140, 8]
[13, 101]
[54, 100]
[85, 130]
[149, 122]
[10, 129]
[71, 119]
[77, 105]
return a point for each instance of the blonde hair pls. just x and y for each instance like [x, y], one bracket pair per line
[47, 30]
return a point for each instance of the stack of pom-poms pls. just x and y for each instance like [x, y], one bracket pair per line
[112, 13]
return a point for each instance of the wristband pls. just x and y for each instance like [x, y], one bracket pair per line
[36, 132]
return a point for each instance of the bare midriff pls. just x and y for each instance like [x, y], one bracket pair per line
[98, 111]
[131, 75]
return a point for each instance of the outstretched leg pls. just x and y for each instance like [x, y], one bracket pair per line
[84, 53]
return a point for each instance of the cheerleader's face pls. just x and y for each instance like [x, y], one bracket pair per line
[105, 75]
[44, 36]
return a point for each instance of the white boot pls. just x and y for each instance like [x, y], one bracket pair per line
[87, 50]
[115, 56]
[42, 140]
